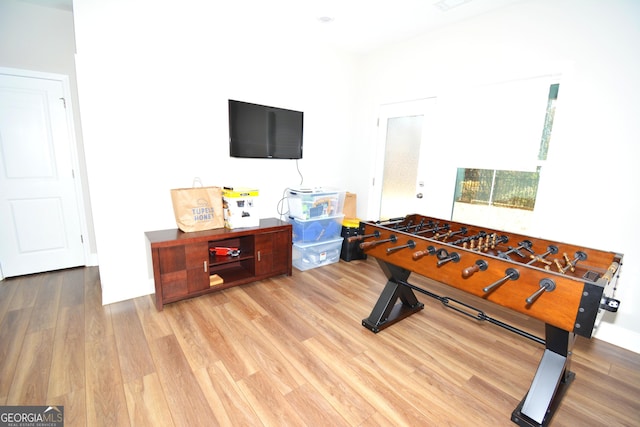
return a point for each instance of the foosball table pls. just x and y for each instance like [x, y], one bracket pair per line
[567, 287]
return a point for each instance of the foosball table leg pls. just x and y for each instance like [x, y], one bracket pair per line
[386, 312]
[550, 382]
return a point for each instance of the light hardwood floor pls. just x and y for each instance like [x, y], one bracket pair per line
[288, 351]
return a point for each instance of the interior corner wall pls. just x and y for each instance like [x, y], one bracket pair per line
[586, 193]
[37, 38]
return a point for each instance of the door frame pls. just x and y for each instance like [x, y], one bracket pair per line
[73, 144]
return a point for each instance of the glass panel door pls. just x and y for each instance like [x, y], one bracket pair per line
[401, 158]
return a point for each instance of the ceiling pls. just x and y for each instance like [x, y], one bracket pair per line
[355, 25]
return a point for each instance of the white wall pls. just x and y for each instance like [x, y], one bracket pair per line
[154, 80]
[588, 191]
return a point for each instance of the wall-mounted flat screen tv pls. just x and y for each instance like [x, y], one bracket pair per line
[263, 132]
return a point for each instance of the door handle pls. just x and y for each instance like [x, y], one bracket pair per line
[419, 195]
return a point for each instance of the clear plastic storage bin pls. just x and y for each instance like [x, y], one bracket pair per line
[318, 203]
[316, 230]
[311, 255]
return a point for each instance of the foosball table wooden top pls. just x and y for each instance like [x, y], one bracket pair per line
[581, 277]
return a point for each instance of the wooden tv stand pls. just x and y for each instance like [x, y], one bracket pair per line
[183, 266]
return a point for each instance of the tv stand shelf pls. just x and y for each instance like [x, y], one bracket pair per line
[183, 265]
[221, 261]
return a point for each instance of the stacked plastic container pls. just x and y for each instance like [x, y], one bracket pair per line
[316, 219]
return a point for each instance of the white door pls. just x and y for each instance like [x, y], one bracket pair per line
[402, 155]
[40, 225]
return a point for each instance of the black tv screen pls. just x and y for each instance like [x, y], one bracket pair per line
[260, 131]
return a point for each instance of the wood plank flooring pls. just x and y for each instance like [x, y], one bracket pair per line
[288, 351]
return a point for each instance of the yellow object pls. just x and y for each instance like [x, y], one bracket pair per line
[239, 192]
[351, 222]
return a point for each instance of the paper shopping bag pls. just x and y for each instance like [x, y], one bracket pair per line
[198, 208]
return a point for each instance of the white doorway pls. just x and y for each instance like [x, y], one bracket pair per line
[41, 222]
[402, 157]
